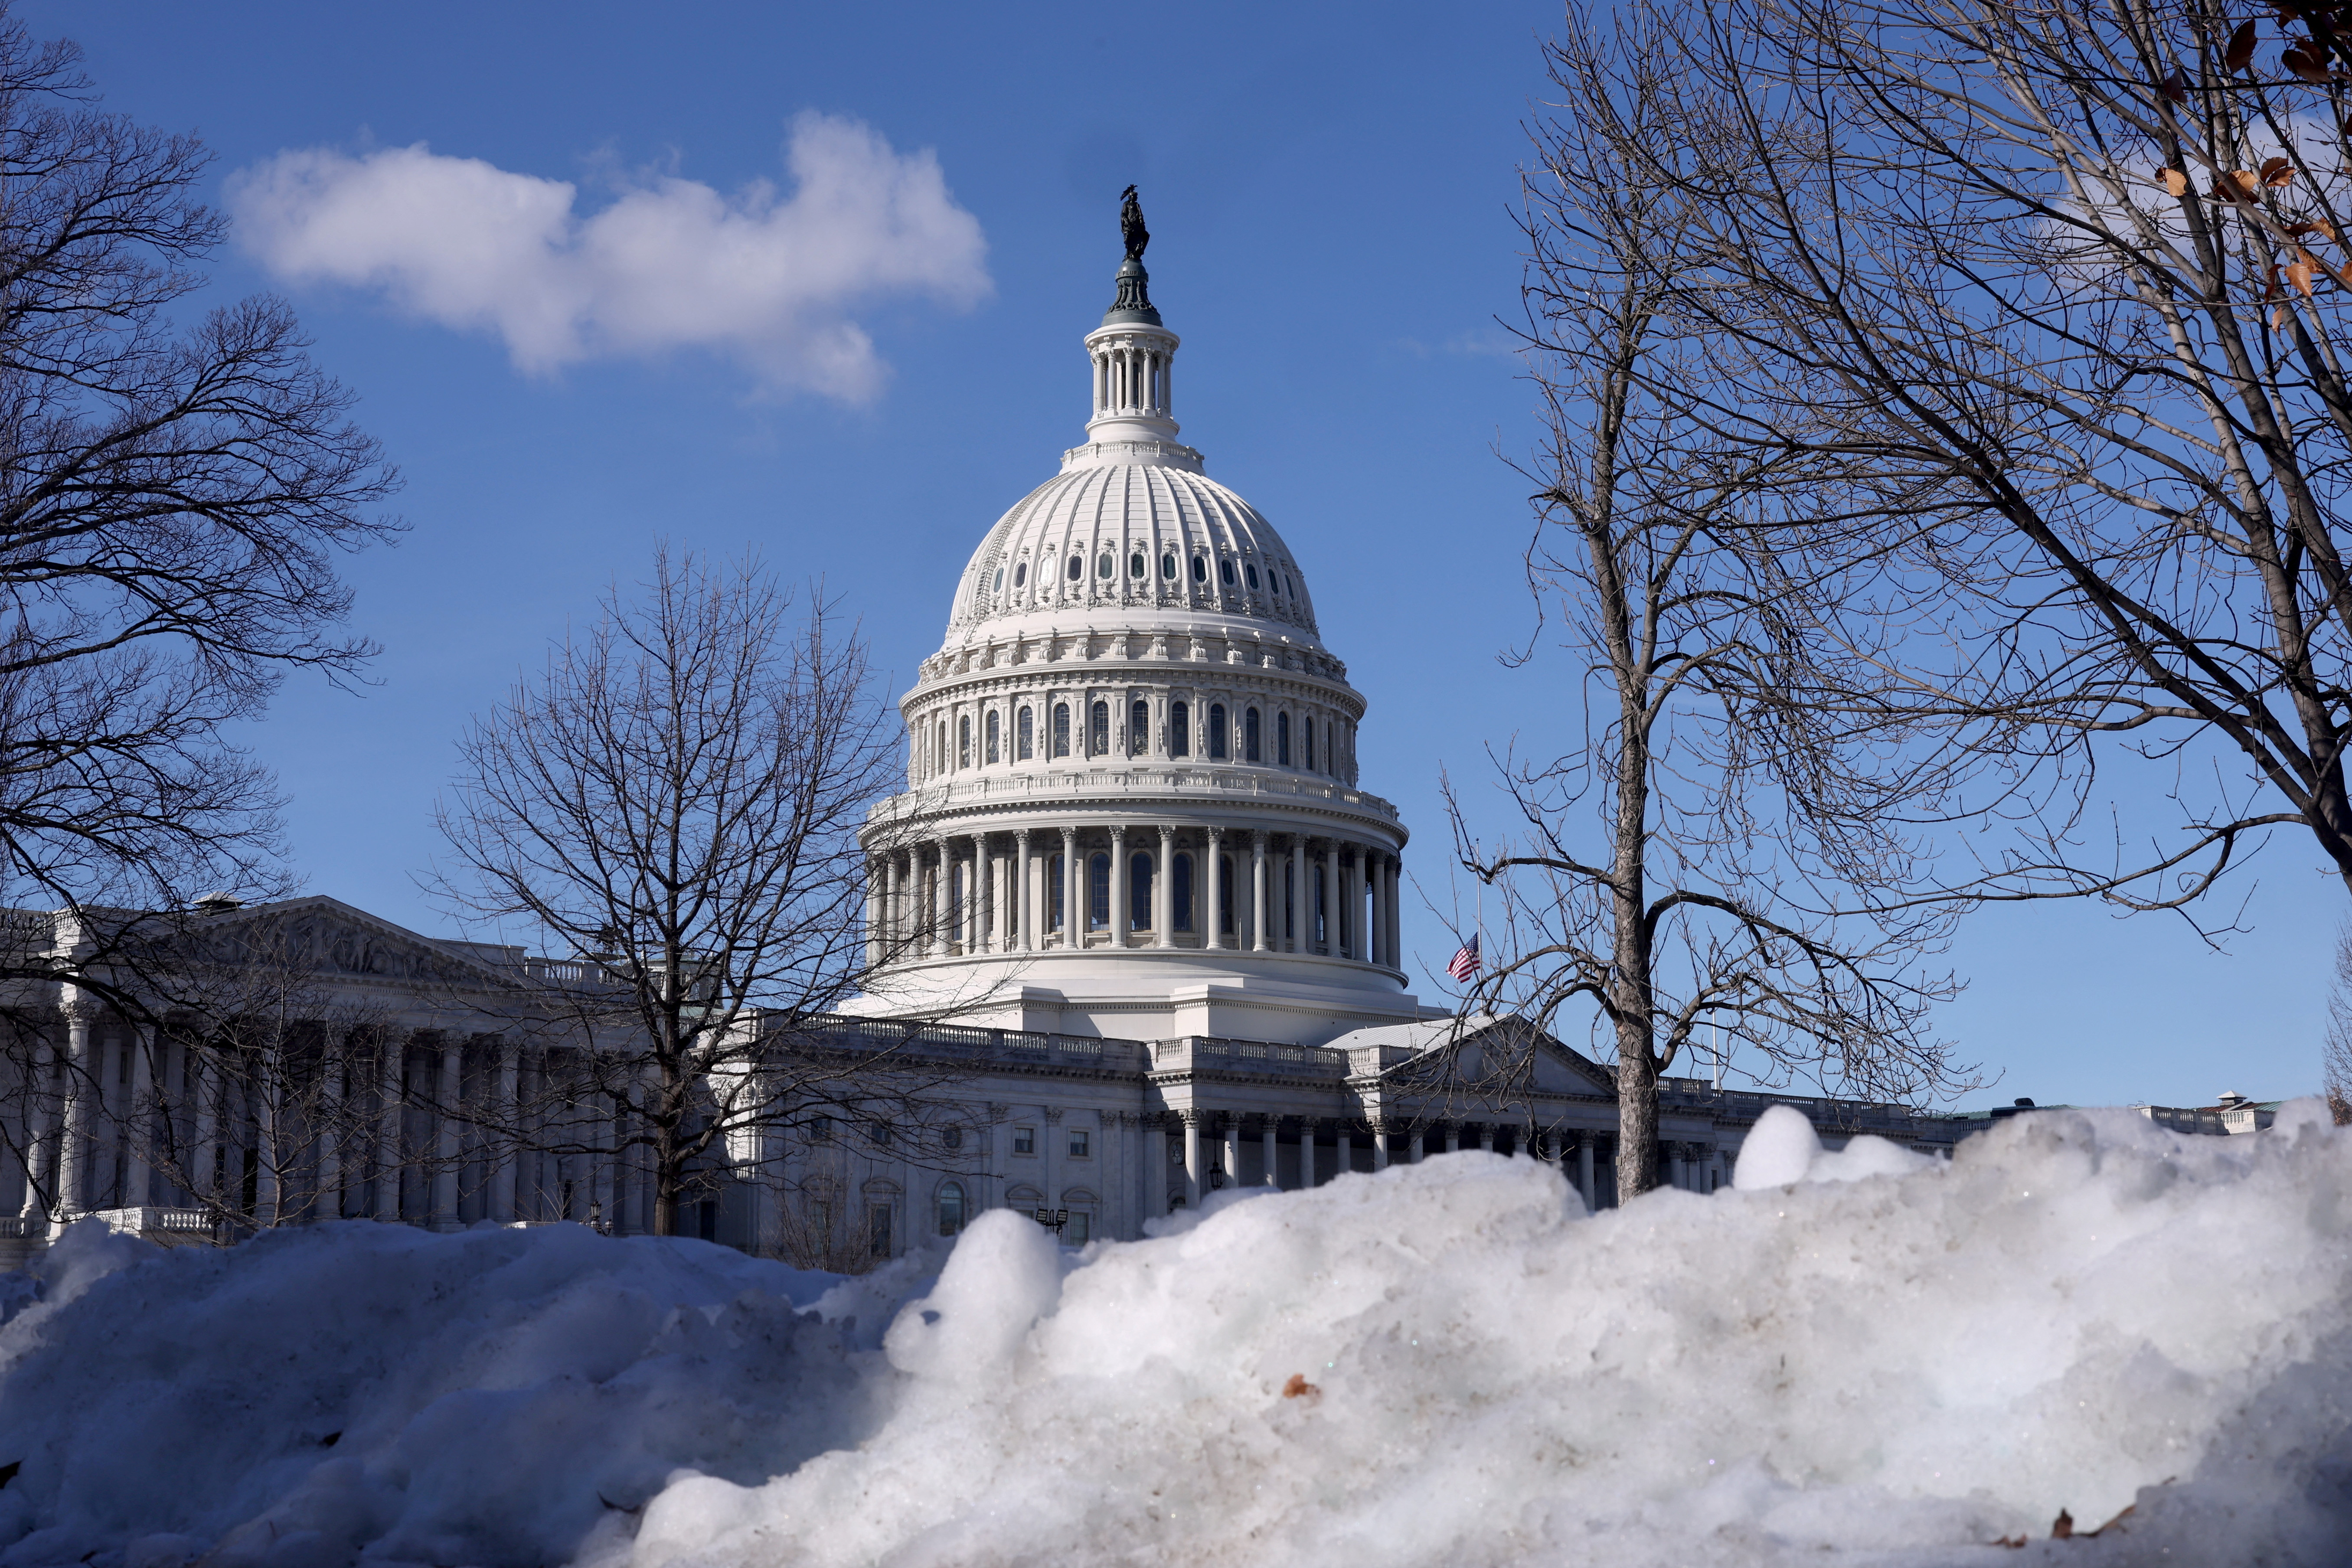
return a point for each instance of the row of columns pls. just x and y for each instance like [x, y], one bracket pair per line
[90, 1115]
[914, 908]
[1406, 1145]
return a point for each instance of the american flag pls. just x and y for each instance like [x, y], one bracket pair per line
[1464, 966]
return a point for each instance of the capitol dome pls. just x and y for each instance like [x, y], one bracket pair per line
[1131, 806]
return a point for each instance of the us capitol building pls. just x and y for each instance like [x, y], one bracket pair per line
[1133, 902]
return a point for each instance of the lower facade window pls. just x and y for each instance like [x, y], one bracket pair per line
[1216, 736]
[1307, 744]
[1249, 748]
[950, 1208]
[878, 1229]
[1061, 729]
[1024, 736]
[992, 737]
[1180, 725]
[1098, 728]
[964, 741]
[1139, 729]
[1282, 739]
[1078, 1229]
[1098, 914]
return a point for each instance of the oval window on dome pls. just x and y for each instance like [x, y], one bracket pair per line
[1020, 573]
[1103, 568]
[1078, 567]
[1000, 579]
[1135, 566]
[1226, 571]
[1252, 572]
[1200, 569]
[1166, 566]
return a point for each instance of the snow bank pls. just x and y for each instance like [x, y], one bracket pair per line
[1864, 1357]
[1855, 1358]
[493, 1396]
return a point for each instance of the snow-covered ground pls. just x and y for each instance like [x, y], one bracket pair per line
[1856, 1358]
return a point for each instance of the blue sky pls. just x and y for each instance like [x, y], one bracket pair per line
[1329, 190]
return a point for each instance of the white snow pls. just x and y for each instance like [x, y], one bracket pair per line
[1856, 1357]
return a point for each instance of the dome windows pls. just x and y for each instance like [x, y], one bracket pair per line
[1020, 574]
[995, 730]
[1024, 736]
[1251, 572]
[1167, 567]
[1216, 735]
[1135, 566]
[1099, 729]
[1200, 569]
[1251, 751]
[1180, 725]
[1078, 567]
[1282, 739]
[964, 741]
[999, 580]
[1226, 571]
[1139, 729]
[1104, 567]
[1061, 729]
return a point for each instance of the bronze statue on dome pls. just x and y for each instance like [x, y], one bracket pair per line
[1130, 224]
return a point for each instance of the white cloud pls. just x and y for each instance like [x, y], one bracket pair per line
[669, 264]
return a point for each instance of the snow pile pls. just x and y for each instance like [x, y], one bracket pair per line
[493, 1396]
[1857, 1357]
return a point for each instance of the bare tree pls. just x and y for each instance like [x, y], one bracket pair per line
[2335, 1049]
[1679, 865]
[2050, 297]
[677, 801]
[171, 498]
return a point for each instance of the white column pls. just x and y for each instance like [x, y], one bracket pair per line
[1453, 1136]
[1391, 870]
[1258, 920]
[139, 1117]
[894, 931]
[203, 1174]
[1163, 891]
[1118, 891]
[330, 1204]
[1192, 1160]
[1329, 881]
[1155, 1177]
[1073, 914]
[979, 929]
[73, 1146]
[1343, 1149]
[942, 885]
[1208, 916]
[1380, 1146]
[1025, 913]
[269, 1141]
[444, 1139]
[1486, 1137]
[1267, 1127]
[877, 880]
[502, 1178]
[390, 1060]
[1420, 1150]
[1233, 1151]
[1302, 929]
[40, 1129]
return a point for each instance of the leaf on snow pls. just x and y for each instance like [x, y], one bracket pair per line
[1298, 1387]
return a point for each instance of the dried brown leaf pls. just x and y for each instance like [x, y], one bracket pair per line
[2064, 1530]
[1300, 1388]
[2241, 48]
[2176, 181]
[2277, 171]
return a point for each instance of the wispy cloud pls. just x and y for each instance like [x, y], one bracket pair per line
[768, 280]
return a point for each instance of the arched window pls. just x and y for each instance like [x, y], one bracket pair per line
[1099, 729]
[1061, 729]
[1078, 567]
[1179, 728]
[1024, 735]
[1181, 892]
[1251, 752]
[950, 1208]
[993, 734]
[939, 753]
[1282, 739]
[1000, 579]
[1056, 917]
[1135, 566]
[1307, 744]
[1225, 571]
[1217, 747]
[1099, 892]
[964, 741]
[1139, 892]
[1020, 574]
[1139, 729]
[1251, 572]
[1168, 566]
[1200, 569]
[1103, 568]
